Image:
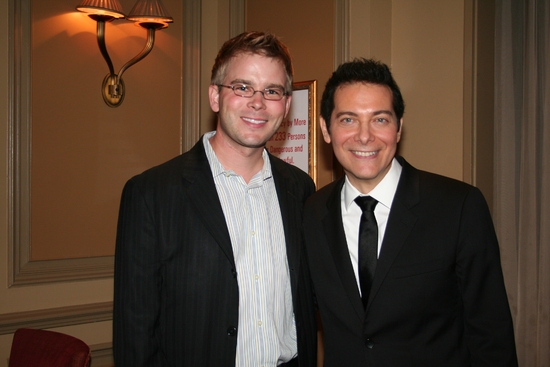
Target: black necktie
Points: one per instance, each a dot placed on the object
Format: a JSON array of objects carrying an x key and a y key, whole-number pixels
[{"x": 368, "y": 244}]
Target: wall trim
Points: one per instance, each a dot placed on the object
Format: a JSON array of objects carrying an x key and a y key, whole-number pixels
[
  {"x": 102, "y": 355},
  {"x": 47, "y": 271},
  {"x": 56, "y": 317},
  {"x": 23, "y": 271},
  {"x": 190, "y": 119},
  {"x": 341, "y": 31},
  {"x": 237, "y": 17},
  {"x": 478, "y": 111},
  {"x": 468, "y": 173}
]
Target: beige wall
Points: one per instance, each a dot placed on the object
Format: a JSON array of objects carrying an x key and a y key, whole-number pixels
[
  {"x": 83, "y": 151},
  {"x": 427, "y": 61},
  {"x": 75, "y": 153}
]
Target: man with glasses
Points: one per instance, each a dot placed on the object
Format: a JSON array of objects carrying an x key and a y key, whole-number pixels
[{"x": 209, "y": 266}]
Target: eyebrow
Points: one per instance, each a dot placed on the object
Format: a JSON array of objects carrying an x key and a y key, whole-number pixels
[
  {"x": 375, "y": 113},
  {"x": 343, "y": 113},
  {"x": 247, "y": 82},
  {"x": 384, "y": 112},
  {"x": 240, "y": 81}
]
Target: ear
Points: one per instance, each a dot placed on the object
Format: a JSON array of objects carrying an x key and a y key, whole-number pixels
[
  {"x": 400, "y": 130},
  {"x": 287, "y": 105},
  {"x": 324, "y": 130},
  {"x": 214, "y": 97}
]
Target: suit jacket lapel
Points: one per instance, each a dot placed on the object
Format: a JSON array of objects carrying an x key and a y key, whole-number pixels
[
  {"x": 202, "y": 194},
  {"x": 285, "y": 185},
  {"x": 336, "y": 240},
  {"x": 400, "y": 223}
]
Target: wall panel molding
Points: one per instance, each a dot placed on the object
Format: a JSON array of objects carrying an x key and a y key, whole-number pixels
[
  {"x": 191, "y": 73},
  {"x": 23, "y": 271},
  {"x": 102, "y": 355},
  {"x": 237, "y": 16},
  {"x": 56, "y": 317},
  {"x": 479, "y": 40},
  {"x": 341, "y": 31},
  {"x": 35, "y": 272}
]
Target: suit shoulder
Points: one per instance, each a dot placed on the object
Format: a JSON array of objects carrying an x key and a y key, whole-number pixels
[
  {"x": 291, "y": 172},
  {"x": 435, "y": 182},
  {"x": 170, "y": 173},
  {"x": 161, "y": 171},
  {"x": 319, "y": 198},
  {"x": 282, "y": 166},
  {"x": 429, "y": 180},
  {"x": 446, "y": 191}
]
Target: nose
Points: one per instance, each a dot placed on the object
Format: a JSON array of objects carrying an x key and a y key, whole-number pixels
[
  {"x": 257, "y": 101},
  {"x": 364, "y": 134}
]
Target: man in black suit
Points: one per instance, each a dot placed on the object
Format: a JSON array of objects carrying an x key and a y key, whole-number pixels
[
  {"x": 419, "y": 283},
  {"x": 210, "y": 267}
]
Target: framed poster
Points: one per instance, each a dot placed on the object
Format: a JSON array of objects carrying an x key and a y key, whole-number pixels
[{"x": 295, "y": 141}]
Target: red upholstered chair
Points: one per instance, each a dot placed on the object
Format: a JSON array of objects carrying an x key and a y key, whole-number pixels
[{"x": 42, "y": 348}]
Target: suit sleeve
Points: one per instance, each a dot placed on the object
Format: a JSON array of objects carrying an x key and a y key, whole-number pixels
[
  {"x": 137, "y": 283},
  {"x": 488, "y": 323}
]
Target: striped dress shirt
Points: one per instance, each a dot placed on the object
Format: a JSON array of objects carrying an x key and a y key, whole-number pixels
[{"x": 266, "y": 330}]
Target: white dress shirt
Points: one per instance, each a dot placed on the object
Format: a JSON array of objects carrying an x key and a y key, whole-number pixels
[{"x": 384, "y": 192}]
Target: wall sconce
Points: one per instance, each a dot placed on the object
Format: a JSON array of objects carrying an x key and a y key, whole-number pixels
[{"x": 149, "y": 14}]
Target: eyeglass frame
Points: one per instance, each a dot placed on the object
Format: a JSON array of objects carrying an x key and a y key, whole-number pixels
[{"x": 254, "y": 91}]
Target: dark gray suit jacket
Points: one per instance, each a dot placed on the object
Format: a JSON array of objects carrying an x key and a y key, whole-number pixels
[
  {"x": 438, "y": 297},
  {"x": 176, "y": 294}
]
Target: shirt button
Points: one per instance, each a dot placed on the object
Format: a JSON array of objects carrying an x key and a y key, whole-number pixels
[
  {"x": 256, "y": 277},
  {"x": 252, "y": 233},
  {"x": 369, "y": 343},
  {"x": 260, "y": 323}
]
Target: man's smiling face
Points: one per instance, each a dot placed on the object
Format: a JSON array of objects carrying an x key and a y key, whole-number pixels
[
  {"x": 249, "y": 122},
  {"x": 364, "y": 132}
]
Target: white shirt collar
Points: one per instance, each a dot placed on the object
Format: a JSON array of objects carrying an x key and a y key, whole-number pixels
[
  {"x": 384, "y": 192},
  {"x": 218, "y": 169}
]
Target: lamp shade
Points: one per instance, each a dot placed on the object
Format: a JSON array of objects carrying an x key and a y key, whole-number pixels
[
  {"x": 150, "y": 11},
  {"x": 107, "y": 8}
]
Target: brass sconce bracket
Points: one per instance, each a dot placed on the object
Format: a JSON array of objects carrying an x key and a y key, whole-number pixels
[
  {"x": 113, "y": 90},
  {"x": 149, "y": 14}
]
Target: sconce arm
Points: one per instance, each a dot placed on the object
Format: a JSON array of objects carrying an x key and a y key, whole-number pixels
[
  {"x": 101, "y": 44},
  {"x": 148, "y": 47},
  {"x": 149, "y": 14}
]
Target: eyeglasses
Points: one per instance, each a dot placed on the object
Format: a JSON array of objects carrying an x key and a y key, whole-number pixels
[{"x": 243, "y": 90}]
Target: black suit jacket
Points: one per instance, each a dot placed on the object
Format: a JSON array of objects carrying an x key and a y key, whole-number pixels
[
  {"x": 438, "y": 296},
  {"x": 176, "y": 293}
]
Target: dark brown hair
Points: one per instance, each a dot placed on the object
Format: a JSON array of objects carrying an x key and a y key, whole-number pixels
[{"x": 255, "y": 43}]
